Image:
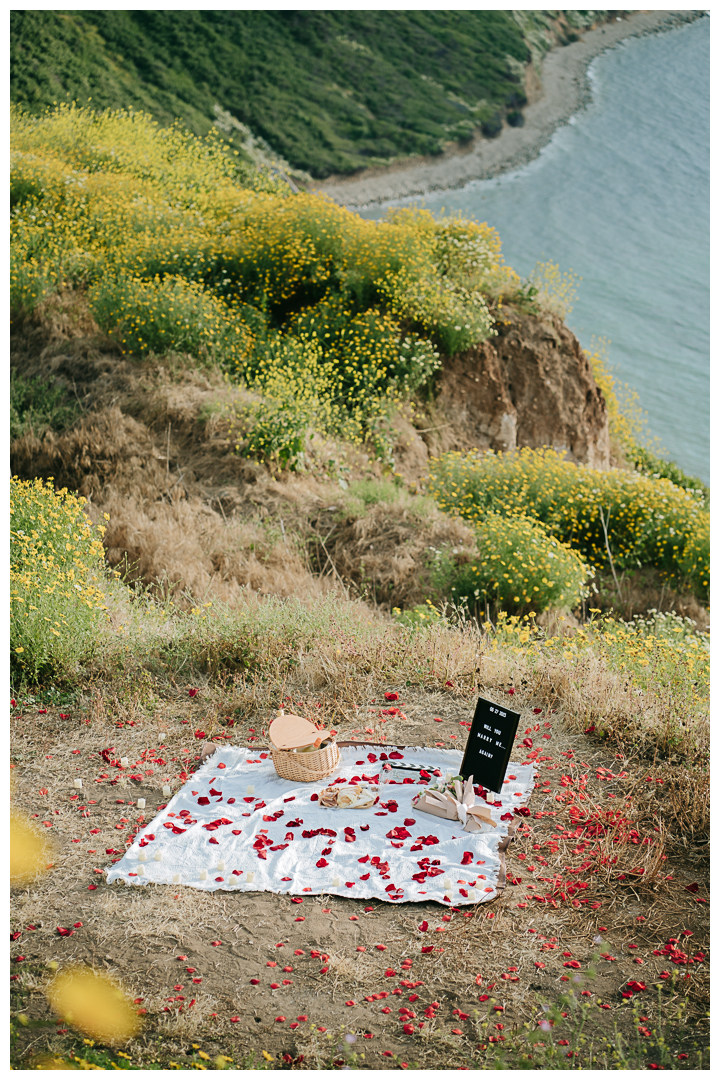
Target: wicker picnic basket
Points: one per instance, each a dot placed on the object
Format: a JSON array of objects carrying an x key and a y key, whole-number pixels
[{"x": 308, "y": 767}]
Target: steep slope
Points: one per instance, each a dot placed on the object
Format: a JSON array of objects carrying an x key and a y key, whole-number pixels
[{"x": 153, "y": 446}]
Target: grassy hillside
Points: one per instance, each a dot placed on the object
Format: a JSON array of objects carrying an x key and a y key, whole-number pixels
[
  {"x": 177, "y": 250},
  {"x": 330, "y": 91},
  {"x": 607, "y": 869}
]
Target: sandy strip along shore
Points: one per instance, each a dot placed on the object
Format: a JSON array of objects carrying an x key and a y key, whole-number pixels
[{"x": 565, "y": 89}]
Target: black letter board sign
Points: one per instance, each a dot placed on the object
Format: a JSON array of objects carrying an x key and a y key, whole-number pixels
[{"x": 489, "y": 744}]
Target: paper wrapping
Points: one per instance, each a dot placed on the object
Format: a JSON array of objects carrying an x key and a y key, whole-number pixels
[{"x": 455, "y": 802}]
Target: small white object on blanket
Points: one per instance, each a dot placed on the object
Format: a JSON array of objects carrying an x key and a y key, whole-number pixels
[{"x": 280, "y": 839}]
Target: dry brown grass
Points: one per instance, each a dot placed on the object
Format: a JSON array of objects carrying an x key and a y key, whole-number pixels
[
  {"x": 644, "y": 726},
  {"x": 386, "y": 552},
  {"x": 64, "y": 316},
  {"x": 186, "y": 547}
]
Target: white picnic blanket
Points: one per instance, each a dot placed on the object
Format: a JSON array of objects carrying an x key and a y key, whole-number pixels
[{"x": 214, "y": 835}]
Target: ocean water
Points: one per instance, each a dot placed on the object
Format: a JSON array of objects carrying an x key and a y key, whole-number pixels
[{"x": 621, "y": 196}]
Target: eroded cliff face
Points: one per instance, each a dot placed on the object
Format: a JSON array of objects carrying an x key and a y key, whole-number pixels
[
  {"x": 531, "y": 385},
  {"x": 528, "y": 385}
]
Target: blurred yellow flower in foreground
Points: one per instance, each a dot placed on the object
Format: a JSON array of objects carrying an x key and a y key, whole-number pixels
[
  {"x": 29, "y": 851},
  {"x": 93, "y": 1004}
]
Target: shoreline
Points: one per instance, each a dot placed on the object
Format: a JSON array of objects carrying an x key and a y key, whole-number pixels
[{"x": 565, "y": 91}]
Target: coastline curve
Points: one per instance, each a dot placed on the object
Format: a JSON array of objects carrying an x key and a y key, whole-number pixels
[{"x": 566, "y": 90}]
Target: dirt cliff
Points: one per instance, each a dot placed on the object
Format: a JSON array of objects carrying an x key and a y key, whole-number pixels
[{"x": 531, "y": 385}]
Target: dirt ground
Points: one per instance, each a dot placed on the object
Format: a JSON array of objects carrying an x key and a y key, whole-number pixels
[{"x": 238, "y": 973}]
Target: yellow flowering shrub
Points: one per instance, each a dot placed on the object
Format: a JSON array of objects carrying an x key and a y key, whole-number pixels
[
  {"x": 521, "y": 566},
  {"x": 169, "y": 313},
  {"x": 626, "y": 420},
  {"x": 181, "y": 250},
  {"x": 56, "y": 567},
  {"x": 297, "y": 392},
  {"x": 660, "y": 655},
  {"x": 553, "y": 290},
  {"x": 654, "y": 649},
  {"x": 647, "y": 521},
  {"x": 129, "y": 144},
  {"x": 471, "y": 252}
]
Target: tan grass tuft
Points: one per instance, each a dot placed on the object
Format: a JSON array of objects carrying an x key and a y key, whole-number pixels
[
  {"x": 191, "y": 1021},
  {"x": 388, "y": 551}
]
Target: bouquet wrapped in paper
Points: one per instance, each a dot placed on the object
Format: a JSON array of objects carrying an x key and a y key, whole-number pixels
[{"x": 455, "y": 800}]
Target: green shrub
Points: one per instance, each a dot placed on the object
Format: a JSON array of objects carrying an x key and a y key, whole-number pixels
[
  {"x": 649, "y": 522},
  {"x": 413, "y": 366},
  {"x": 56, "y": 569},
  {"x": 650, "y": 464},
  {"x": 37, "y": 405},
  {"x": 492, "y": 126}
]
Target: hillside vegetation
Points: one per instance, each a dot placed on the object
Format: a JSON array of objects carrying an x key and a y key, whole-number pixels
[
  {"x": 329, "y": 91},
  {"x": 178, "y": 253},
  {"x": 322, "y": 325}
]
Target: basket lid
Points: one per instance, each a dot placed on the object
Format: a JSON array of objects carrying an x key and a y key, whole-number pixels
[{"x": 288, "y": 732}]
